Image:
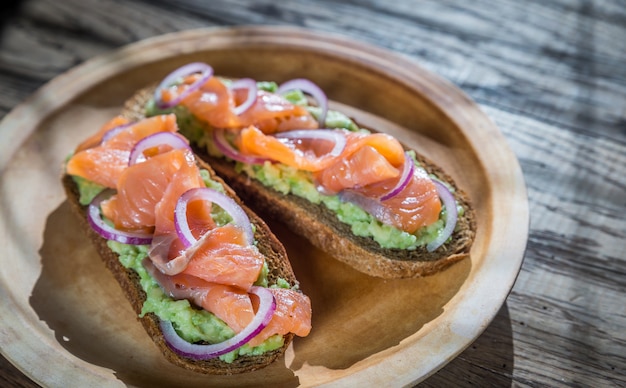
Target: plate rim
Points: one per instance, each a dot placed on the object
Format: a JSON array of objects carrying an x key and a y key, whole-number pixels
[{"x": 19, "y": 116}]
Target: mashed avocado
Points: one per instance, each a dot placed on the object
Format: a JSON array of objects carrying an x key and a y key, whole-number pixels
[
  {"x": 288, "y": 180},
  {"x": 87, "y": 189},
  {"x": 191, "y": 323}
]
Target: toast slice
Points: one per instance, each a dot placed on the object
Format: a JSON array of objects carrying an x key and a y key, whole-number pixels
[
  {"x": 322, "y": 228},
  {"x": 268, "y": 245}
]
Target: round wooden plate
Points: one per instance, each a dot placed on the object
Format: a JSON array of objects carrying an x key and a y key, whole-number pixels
[{"x": 64, "y": 318}]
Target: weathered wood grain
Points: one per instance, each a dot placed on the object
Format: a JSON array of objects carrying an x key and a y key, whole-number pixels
[{"x": 552, "y": 76}]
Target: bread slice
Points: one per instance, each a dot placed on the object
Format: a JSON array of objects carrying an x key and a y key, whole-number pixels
[
  {"x": 322, "y": 228},
  {"x": 268, "y": 245}
]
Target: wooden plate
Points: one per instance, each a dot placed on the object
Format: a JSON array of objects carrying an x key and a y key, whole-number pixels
[{"x": 63, "y": 317}]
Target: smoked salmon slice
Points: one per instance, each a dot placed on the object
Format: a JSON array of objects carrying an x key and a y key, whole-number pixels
[
  {"x": 251, "y": 141},
  {"x": 224, "y": 257},
  {"x": 292, "y": 315},
  {"x": 103, "y": 163},
  {"x": 416, "y": 206},
  {"x": 230, "y": 304},
  {"x": 271, "y": 113},
  {"x": 96, "y": 138},
  {"x": 141, "y": 187},
  {"x": 214, "y": 102},
  {"x": 198, "y": 212},
  {"x": 363, "y": 167}
]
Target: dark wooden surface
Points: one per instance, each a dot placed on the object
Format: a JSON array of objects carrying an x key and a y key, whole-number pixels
[{"x": 551, "y": 74}]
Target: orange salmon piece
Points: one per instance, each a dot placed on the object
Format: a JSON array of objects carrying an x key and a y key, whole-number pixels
[
  {"x": 230, "y": 304},
  {"x": 96, "y": 138},
  {"x": 214, "y": 102},
  {"x": 141, "y": 187},
  {"x": 198, "y": 212},
  {"x": 292, "y": 315},
  {"x": 104, "y": 163},
  {"x": 363, "y": 167},
  {"x": 384, "y": 144},
  {"x": 224, "y": 257},
  {"x": 416, "y": 206},
  {"x": 251, "y": 141},
  {"x": 211, "y": 103},
  {"x": 272, "y": 113}
]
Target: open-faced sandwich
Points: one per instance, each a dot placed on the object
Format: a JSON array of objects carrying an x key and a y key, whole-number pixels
[
  {"x": 356, "y": 193},
  {"x": 211, "y": 284}
]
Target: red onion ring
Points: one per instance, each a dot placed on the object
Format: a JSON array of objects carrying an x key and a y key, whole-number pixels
[
  {"x": 159, "y": 255},
  {"x": 188, "y": 69},
  {"x": 250, "y": 85},
  {"x": 371, "y": 205},
  {"x": 156, "y": 139},
  {"x": 114, "y": 131},
  {"x": 336, "y": 136},
  {"x": 108, "y": 232},
  {"x": 451, "y": 216},
  {"x": 229, "y": 151},
  {"x": 267, "y": 306},
  {"x": 238, "y": 215},
  {"x": 405, "y": 178},
  {"x": 171, "y": 288},
  {"x": 308, "y": 87}
]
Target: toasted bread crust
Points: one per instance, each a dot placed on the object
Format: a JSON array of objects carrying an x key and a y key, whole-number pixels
[
  {"x": 269, "y": 246},
  {"x": 322, "y": 228}
]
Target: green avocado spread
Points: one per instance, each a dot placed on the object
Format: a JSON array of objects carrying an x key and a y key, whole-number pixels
[
  {"x": 288, "y": 180},
  {"x": 193, "y": 324}
]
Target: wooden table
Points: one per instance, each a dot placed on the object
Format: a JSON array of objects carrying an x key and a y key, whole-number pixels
[{"x": 552, "y": 75}]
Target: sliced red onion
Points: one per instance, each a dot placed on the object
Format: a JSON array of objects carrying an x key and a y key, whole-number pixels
[
  {"x": 229, "y": 151},
  {"x": 308, "y": 87},
  {"x": 156, "y": 139},
  {"x": 264, "y": 314},
  {"x": 173, "y": 289},
  {"x": 114, "y": 131},
  {"x": 183, "y": 71},
  {"x": 451, "y": 216},
  {"x": 338, "y": 137},
  {"x": 250, "y": 85},
  {"x": 371, "y": 205},
  {"x": 159, "y": 255},
  {"x": 231, "y": 207},
  {"x": 405, "y": 178},
  {"x": 108, "y": 232}
]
